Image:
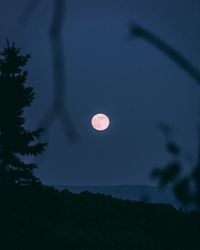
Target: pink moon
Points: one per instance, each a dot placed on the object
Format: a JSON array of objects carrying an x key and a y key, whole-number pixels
[{"x": 100, "y": 122}]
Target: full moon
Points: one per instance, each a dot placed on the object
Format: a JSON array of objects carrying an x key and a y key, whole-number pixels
[{"x": 100, "y": 122}]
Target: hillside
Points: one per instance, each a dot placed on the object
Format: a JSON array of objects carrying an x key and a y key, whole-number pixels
[{"x": 45, "y": 218}]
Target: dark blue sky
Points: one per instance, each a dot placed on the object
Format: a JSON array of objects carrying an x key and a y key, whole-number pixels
[{"x": 107, "y": 71}]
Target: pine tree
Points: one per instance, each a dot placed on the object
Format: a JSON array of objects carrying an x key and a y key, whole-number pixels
[{"x": 15, "y": 140}]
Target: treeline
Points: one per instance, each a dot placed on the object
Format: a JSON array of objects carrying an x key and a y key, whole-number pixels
[{"x": 45, "y": 218}]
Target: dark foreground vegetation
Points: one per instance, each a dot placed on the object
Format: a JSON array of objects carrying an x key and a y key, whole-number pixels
[{"x": 44, "y": 218}]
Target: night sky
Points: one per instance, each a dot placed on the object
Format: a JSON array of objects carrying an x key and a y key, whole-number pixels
[{"x": 110, "y": 72}]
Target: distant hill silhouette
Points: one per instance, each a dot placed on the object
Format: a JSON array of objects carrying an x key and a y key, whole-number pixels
[{"x": 145, "y": 193}]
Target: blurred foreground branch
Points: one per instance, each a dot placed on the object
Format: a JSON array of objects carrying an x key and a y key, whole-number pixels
[
  {"x": 57, "y": 110},
  {"x": 29, "y": 9},
  {"x": 186, "y": 188},
  {"x": 169, "y": 51}
]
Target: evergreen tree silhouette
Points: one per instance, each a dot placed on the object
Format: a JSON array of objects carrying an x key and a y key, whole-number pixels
[{"x": 15, "y": 140}]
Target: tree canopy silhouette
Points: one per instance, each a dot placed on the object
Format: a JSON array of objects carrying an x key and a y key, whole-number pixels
[{"x": 15, "y": 140}]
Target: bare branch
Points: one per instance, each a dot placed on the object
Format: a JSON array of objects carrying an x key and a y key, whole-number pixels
[
  {"x": 29, "y": 9},
  {"x": 58, "y": 109},
  {"x": 172, "y": 53}
]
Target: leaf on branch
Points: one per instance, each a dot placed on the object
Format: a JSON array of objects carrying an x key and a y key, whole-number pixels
[
  {"x": 167, "y": 175},
  {"x": 173, "y": 148}
]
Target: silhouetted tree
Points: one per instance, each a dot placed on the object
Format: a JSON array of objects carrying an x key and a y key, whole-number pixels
[{"x": 15, "y": 140}]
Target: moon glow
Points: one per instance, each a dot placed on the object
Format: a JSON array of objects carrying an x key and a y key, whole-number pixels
[{"x": 100, "y": 122}]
